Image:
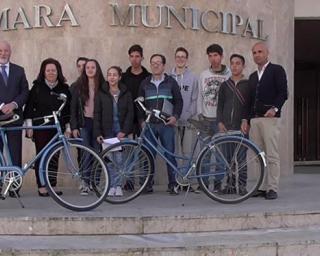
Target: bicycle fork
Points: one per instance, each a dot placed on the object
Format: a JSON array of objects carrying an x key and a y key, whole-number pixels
[{"x": 8, "y": 182}]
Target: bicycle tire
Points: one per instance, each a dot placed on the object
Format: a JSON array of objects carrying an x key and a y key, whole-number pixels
[
  {"x": 130, "y": 166},
  {"x": 71, "y": 176},
  {"x": 230, "y": 169}
]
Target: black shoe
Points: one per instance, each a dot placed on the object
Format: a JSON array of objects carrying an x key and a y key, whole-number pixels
[
  {"x": 243, "y": 191},
  {"x": 45, "y": 194},
  {"x": 259, "y": 193},
  {"x": 271, "y": 195},
  {"x": 59, "y": 193},
  {"x": 228, "y": 190},
  {"x": 174, "y": 190},
  {"x": 129, "y": 186},
  {"x": 185, "y": 188},
  {"x": 13, "y": 195},
  {"x": 147, "y": 190}
]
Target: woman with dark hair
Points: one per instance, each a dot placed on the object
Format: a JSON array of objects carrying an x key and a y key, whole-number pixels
[
  {"x": 113, "y": 115},
  {"x": 82, "y": 107},
  {"x": 41, "y": 103}
]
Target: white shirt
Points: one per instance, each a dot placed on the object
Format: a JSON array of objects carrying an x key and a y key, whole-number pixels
[
  {"x": 260, "y": 73},
  {"x": 157, "y": 82}
]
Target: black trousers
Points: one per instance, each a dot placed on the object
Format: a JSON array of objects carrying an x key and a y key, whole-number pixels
[{"x": 41, "y": 139}]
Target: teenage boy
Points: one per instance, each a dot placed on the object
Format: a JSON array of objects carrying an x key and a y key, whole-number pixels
[
  {"x": 233, "y": 114},
  {"x": 133, "y": 77},
  {"x": 188, "y": 84},
  {"x": 209, "y": 85}
]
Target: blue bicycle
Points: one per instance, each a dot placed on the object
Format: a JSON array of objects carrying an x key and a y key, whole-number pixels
[
  {"x": 65, "y": 165},
  {"x": 229, "y": 167}
]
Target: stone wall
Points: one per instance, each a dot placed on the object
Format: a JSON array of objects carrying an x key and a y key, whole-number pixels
[{"x": 94, "y": 37}]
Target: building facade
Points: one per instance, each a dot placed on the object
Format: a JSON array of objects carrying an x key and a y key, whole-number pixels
[{"x": 104, "y": 30}]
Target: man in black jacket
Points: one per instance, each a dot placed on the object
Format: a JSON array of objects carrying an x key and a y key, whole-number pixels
[{"x": 269, "y": 94}]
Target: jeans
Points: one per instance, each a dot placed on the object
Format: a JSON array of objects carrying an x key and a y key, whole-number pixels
[
  {"x": 86, "y": 133},
  {"x": 115, "y": 179},
  {"x": 211, "y": 128},
  {"x": 166, "y": 134},
  {"x": 236, "y": 157}
]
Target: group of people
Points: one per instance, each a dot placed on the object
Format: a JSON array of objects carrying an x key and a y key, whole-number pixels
[{"x": 101, "y": 107}]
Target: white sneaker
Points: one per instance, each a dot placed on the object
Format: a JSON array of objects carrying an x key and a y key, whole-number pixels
[
  {"x": 118, "y": 191},
  {"x": 84, "y": 191},
  {"x": 112, "y": 192}
]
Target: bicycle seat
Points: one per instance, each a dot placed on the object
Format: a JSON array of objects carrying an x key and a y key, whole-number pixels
[
  {"x": 200, "y": 125},
  {"x": 8, "y": 119}
]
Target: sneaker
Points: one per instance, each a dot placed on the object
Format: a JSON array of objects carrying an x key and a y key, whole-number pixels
[
  {"x": 147, "y": 190},
  {"x": 174, "y": 190},
  {"x": 271, "y": 195},
  {"x": 84, "y": 191},
  {"x": 112, "y": 192},
  {"x": 118, "y": 191}
]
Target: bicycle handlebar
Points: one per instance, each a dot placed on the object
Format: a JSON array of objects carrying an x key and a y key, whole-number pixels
[
  {"x": 154, "y": 112},
  {"x": 60, "y": 96}
]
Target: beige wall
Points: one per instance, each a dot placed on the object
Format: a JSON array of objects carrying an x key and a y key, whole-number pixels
[
  {"x": 307, "y": 9},
  {"x": 95, "y": 38}
]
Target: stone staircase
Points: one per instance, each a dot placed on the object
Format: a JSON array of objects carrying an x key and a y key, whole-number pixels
[
  {"x": 258, "y": 234},
  {"x": 157, "y": 224}
]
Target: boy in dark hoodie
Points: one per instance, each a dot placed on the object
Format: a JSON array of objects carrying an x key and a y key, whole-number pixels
[{"x": 133, "y": 77}]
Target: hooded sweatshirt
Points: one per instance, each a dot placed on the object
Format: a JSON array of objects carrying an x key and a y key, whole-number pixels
[
  {"x": 188, "y": 84},
  {"x": 133, "y": 83},
  {"x": 209, "y": 84}
]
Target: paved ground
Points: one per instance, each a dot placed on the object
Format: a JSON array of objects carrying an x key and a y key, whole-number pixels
[{"x": 300, "y": 192}]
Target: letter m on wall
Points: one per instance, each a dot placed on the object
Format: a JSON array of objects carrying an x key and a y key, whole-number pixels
[{"x": 123, "y": 18}]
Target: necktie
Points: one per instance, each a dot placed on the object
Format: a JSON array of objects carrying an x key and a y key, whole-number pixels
[{"x": 4, "y": 74}]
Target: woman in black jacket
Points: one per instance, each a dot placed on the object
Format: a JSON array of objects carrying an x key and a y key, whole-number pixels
[
  {"x": 41, "y": 103},
  {"x": 82, "y": 109},
  {"x": 113, "y": 114}
]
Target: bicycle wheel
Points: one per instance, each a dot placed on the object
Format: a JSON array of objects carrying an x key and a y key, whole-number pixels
[
  {"x": 130, "y": 166},
  {"x": 230, "y": 170},
  {"x": 67, "y": 170}
]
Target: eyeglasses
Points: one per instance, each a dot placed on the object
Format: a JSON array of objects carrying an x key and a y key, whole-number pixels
[
  {"x": 181, "y": 57},
  {"x": 158, "y": 63}
]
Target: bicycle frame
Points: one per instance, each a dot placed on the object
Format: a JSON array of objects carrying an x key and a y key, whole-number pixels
[
  {"x": 159, "y": 149},
  {"x": 59, "y": 137}
]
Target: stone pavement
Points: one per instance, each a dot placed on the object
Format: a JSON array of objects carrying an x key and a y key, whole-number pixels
[{"x": 158, "y": 224}]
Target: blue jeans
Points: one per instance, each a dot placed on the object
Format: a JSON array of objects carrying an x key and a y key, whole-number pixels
[
  {"x": 166, "y": 134},
  {"x": 211, "y": 128},
  {"x": 86, "y": 133},
  {"x": 115, "y": 179},
  {"x": 241, "y": 158}
]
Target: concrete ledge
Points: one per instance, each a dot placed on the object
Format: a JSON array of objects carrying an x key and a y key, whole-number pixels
[
  {"x": 269, "y": 242},
  {"x": 155, "y": 224}
]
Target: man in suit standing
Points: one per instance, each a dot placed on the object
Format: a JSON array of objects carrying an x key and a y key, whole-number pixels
[
  {"x": 13, "y": 94},
  {"x": 269, "y": 92}
]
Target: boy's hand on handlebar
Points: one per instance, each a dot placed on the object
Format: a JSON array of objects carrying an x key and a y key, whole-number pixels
[
  {"x": 29, "y": 133},
  {"x": 100, "y": 139},
  {"x": 171, "y": 121},
  {"x": 75, "y": 133},
  {"x": 121, "y": 135}
]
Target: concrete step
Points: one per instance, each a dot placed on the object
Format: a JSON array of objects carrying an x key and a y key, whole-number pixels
[
  {"x": 265, "y": 242},
  {"x": 98, "y": 225}
]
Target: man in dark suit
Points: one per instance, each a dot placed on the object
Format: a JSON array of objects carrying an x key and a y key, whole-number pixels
[
  {"x": 269, "y": 92},
  {"x": 13, "y": 94}
]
